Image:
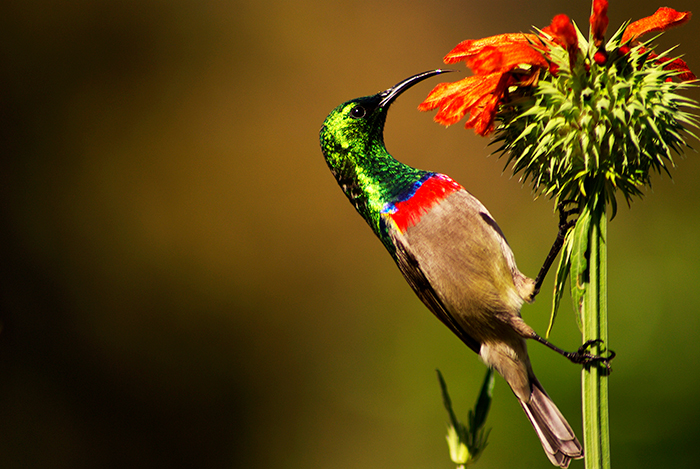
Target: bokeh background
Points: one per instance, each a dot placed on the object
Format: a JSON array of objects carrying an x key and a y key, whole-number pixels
[{"x": 184, "y": 285}]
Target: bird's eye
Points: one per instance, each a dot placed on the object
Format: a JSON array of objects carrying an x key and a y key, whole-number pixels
[{"x": 358, "y": 112}]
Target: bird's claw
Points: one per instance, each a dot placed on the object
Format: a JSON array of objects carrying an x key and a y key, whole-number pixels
[
  {"x": 583, "y": 357},
  {"x": 564, "y": 223},
  {"x": 564, "y": 226}
]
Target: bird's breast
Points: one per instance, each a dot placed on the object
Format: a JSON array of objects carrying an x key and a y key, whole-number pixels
[{"x": 408, "y": 212}]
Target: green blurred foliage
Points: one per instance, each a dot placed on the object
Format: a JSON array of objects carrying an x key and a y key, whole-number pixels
[{"x": 182, "y": 283}]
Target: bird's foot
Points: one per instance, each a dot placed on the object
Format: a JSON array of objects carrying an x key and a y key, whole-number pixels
[
  {"x": 583, "y": 357},
  {"x": 564, "y": 226},
  {"x": 564, "y": 223}
]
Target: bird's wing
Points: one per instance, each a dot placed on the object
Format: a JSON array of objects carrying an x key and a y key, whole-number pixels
[{"x": 416, "y": 278}]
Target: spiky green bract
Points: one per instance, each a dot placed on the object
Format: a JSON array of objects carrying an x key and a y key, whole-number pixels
[
  {"x": 355, "y": 152},
  {"x": 605, "y": 125}
]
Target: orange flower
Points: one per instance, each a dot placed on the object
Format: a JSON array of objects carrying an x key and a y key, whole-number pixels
[
  {"x": 493, "y": 59},
  {"x": 663, "y": 19},
  {"x": 679, "y": 65},
  {"x": 478, "y": 95},
  {"x": 564, "y": 34},
  {"x": 599, "y": 21}
]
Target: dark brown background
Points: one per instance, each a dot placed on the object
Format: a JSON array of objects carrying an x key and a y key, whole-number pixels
[{"x": 184, "y": 285}]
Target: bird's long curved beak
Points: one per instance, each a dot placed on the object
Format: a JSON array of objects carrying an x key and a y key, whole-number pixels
[{"x": 392, "y": 93}]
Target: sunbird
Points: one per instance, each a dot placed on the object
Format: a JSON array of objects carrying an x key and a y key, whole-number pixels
[{"x": 452, "y": 253}]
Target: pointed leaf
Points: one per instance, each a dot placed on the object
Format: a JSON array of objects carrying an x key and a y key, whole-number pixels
[
  {"x": 579, "y": 260},
  {"x": 560, "y": 278}
]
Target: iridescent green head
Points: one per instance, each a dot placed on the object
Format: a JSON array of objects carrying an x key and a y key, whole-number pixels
[
  {"x": 352, "y": 141},
  {"x": 355, "y": 129},
  {"x": 351, "y": 132}
]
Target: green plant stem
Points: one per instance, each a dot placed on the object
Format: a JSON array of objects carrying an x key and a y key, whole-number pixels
[{"x": 594, "y": 316}]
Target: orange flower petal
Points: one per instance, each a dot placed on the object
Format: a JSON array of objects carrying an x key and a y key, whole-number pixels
[
  {"x": 459, "y": 104},
  {"x": 678, "y": 65},
  {"x": 681, "y": 66},
  {"x": 453, "y": 110},
  {"x": 483, "y": 115},
  {"x": 471, "y": 47},
  {"x": 563, "y": 31},
  {"x": 505, "y": 57},
  {"x": 599, "y": 20},
  {"x": 663, "y": 19},
  {"x": 456, "y": 99},
  {"x": 442, "y": 92}
]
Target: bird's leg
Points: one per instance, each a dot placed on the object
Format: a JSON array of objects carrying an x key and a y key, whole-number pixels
[
  {"x": 581, "y": 356},
  {"x": 564, "y": 226}
]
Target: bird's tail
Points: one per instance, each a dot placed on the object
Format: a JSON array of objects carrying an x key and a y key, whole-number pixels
[{"x": 557, "y": 437}]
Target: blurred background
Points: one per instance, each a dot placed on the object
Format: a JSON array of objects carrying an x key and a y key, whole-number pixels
[{"x": 183, "y": 284}]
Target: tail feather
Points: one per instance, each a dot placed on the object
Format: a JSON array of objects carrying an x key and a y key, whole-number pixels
[{"x": 557, "y": 437}]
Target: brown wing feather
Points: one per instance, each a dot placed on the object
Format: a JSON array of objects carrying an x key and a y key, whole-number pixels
[{"x": 416, "y": 278}]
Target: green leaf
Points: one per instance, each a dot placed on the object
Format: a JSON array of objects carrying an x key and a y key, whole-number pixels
[
  {"x": 467, "y": 442},
  {"x": 560, "y": 278},
  {"x": 483, "y": 402},
  {"x": 579, "y": 260}
]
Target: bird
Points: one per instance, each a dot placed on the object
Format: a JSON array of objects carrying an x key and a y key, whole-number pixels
[{"x": 451, "y": 252}]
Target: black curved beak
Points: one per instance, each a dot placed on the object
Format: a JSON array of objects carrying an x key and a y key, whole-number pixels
[{"x": 392, "y": 93}]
